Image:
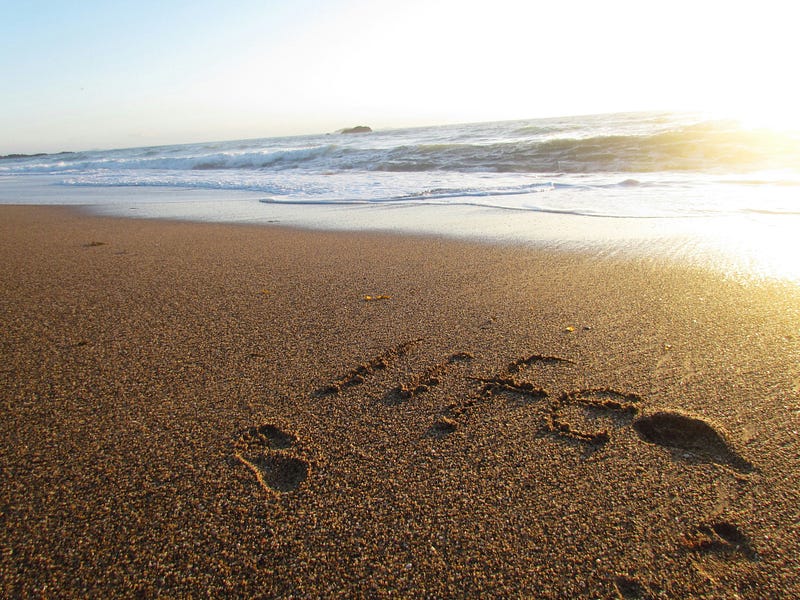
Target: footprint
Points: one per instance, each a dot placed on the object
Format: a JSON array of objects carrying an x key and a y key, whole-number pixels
[
  {"x": 628, "y": 588},
  {"x": 696, "y": 439},
  {"x": 268, "y": 435},
  {"x": 278, "y": 472},
  {"x": 720, "y": 537},
  {"x": 576, "y": 414},
  {"x": 443, "y": 426},
  {"x": 274, "y": 457}
]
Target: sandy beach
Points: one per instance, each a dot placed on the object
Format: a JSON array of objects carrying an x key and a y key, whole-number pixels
[{"x": 222, "y": 410}]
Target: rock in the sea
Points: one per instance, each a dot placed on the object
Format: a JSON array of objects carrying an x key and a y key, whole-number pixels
[
  {"x": 357, "y": 129},
  {"x": 11, "y": 156}
]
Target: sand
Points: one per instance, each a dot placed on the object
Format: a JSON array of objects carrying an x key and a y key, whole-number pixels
[{"x": 218, "y": 410}]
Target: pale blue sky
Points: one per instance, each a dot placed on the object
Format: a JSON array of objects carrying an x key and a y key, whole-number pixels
[{"x": 91, "y": 74}]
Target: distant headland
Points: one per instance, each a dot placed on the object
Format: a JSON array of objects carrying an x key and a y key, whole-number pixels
[
  {"x": 12, "y": 156},
  {"x": 356, "y": 129}
]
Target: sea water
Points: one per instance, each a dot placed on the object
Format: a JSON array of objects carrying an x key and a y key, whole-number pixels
[{"x": 681, "y": 185}]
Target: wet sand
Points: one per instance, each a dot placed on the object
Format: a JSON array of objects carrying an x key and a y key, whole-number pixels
[{"x": 194, "y": 409}]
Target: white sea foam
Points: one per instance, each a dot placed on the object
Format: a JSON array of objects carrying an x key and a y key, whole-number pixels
[{"x": 578, "y": 178}]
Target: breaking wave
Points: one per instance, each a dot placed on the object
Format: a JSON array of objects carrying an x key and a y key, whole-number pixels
[
  {"x": 630, "y": 165},
  {"x": 560, "y": 146}
]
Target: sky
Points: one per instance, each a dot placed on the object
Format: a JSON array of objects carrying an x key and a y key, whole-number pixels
[{"x": 95, "y": 74}]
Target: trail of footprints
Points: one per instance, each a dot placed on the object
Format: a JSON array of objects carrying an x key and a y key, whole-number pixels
[{"x": 279, "y": 463}]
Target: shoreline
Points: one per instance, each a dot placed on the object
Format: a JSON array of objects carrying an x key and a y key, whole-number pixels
[
  {"x": 198, "y": 408},
  {"x": 747, "y": 246}
]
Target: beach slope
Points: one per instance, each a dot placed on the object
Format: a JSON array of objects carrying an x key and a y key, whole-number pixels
[{"x": 194, "y": 409}]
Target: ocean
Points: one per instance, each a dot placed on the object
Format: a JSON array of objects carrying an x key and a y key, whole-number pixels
[{"x": 685, "y": 184}]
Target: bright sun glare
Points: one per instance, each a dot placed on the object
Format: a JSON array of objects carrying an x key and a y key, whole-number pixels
[
  {"x": 764, "y": 246},
  {"x": 779, "y": 117}
]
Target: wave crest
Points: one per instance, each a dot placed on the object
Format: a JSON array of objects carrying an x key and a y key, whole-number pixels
[{"x": 557, "y": 146}]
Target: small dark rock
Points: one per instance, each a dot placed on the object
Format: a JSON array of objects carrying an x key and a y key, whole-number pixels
[{"x": 357, "y": 129}]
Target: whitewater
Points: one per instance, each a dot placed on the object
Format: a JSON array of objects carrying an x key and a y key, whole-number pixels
[{"x": 684, "y": 184}]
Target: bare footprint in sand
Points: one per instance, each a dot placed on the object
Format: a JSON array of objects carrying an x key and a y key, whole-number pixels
[
  {"x": 629, "y": 589},
  {"x": 722, "y": 538},
  {"x": 278, "y": 472},
  {"x": 443, "y": 426},
  {"x": 268, "y": 436},
  {"x": 690, "y": 438},
  {"x": 274, "y": 457}
]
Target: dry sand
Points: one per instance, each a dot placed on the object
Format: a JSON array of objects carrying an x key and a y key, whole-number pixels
[{"x": 206, "y": 410}]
